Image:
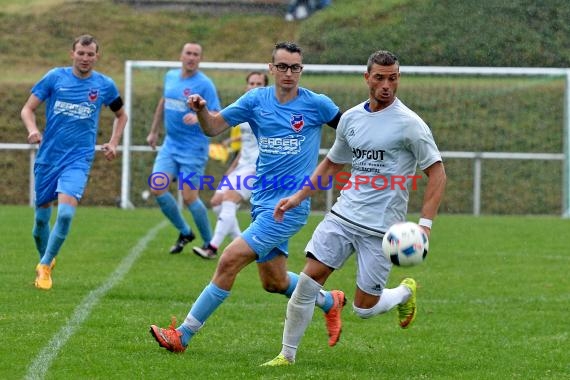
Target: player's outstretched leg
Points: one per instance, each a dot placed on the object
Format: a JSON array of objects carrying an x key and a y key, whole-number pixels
[
  {"x": 168, "y": 338},
  {"x": 333, "y": 317},
  {"x": 407, "y": 311}
]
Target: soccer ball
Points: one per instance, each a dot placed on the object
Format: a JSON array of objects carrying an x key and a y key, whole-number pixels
[{"x": 405, "y": 244}]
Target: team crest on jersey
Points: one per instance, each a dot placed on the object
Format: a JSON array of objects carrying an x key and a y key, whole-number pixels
[
  {"x": 187, "y": 92},
  {"x": 93, "y": 94},
  {"x": 297, "y": 122}
]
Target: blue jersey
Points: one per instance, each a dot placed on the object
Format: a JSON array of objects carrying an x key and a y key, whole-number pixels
[
  {"x": 289, "y": 138},
  {"x": 180, "y": 137},
  {"x": 72, "y": 105}
]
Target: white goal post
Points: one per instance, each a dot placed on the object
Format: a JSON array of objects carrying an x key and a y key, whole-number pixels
[{"x": 131, "y": 65}]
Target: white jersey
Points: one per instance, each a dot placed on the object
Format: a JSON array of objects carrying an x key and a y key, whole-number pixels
[
  {"x": 384, "y": 148},
  {"x": 249, "y": 149}
]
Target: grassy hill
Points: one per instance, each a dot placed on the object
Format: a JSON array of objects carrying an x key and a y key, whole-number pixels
[
  {"x": 422, "y": 32},
  {"x": 36, "y": 35}
]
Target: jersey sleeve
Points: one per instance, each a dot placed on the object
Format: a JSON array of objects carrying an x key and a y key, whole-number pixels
[
  {"x": 44, "y": 87},
  {"x": 112, "y": 92},
  {"x": 237, "y": 112},
  {"x": 422, "y": 144},
  {"x": 328, "y": 108},
  {"x": 340, "y": 152}
]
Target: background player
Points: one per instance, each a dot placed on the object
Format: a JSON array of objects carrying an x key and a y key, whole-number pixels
[
  {"x": 74, "y": 97},
  {"x": 185, "y": 147}
]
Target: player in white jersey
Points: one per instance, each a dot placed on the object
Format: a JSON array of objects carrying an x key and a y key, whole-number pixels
[
  {"x": 384, "y": 141},
  {"x": 227, "y": 198}
]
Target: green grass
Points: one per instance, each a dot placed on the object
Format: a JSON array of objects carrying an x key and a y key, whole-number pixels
[{"x": 493, "y": 303}]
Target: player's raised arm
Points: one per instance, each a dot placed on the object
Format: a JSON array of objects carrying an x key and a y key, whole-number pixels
[{"x": 211, "y": 123}]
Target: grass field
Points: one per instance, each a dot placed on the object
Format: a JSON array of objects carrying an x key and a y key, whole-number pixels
[{"x": 493, "y": 304}]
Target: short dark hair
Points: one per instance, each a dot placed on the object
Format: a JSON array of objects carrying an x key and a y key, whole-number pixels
[
  {"x": 291, "y": 47},
  {"x": 265, "y": 77},
  {"x": 85, "y": 40},
  {"x": 382, "y": 58}
]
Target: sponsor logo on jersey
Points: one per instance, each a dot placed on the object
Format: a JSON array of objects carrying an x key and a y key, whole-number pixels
[
  {"x": 281, "y": 145},
  {"x": 175, "y": 105},
  {"x": 377, "y": 154},
  {"x": 297, "y": 122},
  {"x": 80, "y": 111},
  {"x": 187, "y": 92}
]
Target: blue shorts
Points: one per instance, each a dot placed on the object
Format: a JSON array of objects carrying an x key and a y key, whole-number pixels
[
  {"x": 269, "y": 238},
  {"x": 51, "y": 180},
  {"x": 185, "y": 164}
]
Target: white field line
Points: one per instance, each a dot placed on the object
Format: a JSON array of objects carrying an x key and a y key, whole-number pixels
[{"x": 39, "y": 367}]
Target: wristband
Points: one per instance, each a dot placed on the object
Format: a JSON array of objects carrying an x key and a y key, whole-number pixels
[{"x": 425, "y": 222}]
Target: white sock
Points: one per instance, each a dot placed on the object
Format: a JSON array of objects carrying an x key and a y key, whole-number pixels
[
  {"x": 300, "y": 309},
  {"x": 389, "y": 299},
  {"x": 217, "y": 209},
  {"x": 236, "y": 231},
  {"x": 225, "y": 224}
]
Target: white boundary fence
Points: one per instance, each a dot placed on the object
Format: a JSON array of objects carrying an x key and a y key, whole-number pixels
[
  {"x": 431, "y": 70},
  {"x": 477, "y": 157}
]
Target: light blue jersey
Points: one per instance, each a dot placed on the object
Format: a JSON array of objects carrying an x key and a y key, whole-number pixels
[
  {"x": 182, "y": 139},
  {"x": 289, "y": 138},
  {"x": 72, "y": 106}
]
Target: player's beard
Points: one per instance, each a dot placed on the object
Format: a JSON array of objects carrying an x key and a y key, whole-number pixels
[{"x": 384, "y": 98}]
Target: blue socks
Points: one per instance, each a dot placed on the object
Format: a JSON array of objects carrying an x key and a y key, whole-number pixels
[
  {"x": 170, "y": 209},
  {"x": 200, "y": 215},
  {"x": 212, "y": 297},
  {"x": 199, "y": 212},
  {"x": 65, "y": 213},
  {"x": 40, "y": 232},
  {"x": 293, "y": 279},
  {"x": 206, "y": 303}
]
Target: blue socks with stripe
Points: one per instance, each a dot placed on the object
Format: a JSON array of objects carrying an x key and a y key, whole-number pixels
[
  {"x": 41, "y": 229},
  {"x": 65, "y": 213},
  {"x": 206, "y": 303}
]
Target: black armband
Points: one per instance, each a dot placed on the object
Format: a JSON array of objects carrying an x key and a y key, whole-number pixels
[
  {"x": 334, "y": 122},
  {"x": 116, "y": 104}
]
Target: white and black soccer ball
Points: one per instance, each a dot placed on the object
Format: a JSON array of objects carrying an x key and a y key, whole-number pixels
[{"x": 405, "y": 244}]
